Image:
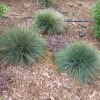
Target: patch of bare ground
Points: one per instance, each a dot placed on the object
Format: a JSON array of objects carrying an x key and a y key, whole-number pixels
[{"x": 42, "y": 81}]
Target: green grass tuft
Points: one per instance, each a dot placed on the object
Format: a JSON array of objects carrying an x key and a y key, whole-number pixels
[
  {"x": 48, "y": 3},
  {"x": 79, "y": 60},
  {"x": 49, "y": 21},
  {"x": 21, "y": 46}
]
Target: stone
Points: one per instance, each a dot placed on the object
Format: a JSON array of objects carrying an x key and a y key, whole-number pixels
[
  {"x": 81, "y": 34},
  {"x": 26, "y": 5}
]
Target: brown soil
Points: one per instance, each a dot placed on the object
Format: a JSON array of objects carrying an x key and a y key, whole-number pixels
[{"x": 42, "y": 81}]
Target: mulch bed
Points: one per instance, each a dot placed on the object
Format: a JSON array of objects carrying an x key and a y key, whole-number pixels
[{"x": 42, "y": 81}]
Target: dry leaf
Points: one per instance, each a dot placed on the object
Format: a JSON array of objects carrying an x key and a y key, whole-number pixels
[{"x": 58, "y": 81}]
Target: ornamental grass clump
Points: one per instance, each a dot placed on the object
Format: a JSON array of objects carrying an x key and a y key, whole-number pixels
[
  {"x": 79, "y": 60},
  {"x": 21, "y": 46},
  {"x": 49, "y": 21}
]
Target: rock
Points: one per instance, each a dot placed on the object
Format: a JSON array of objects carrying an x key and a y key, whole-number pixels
[
  {"x": 81, "y": 34},
  {"x": 26, "y": 5}
]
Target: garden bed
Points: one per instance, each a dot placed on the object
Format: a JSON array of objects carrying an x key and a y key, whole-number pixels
[{"x": 42, "y": 81}]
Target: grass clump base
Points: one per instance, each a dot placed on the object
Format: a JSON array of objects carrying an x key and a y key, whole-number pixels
[
  {"x": 49, "y": 21},
  {"x": 79, "y": 60},
  {"x": 21, "y": 46}
]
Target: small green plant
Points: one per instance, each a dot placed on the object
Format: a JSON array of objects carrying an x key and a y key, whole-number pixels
[
  {"x": 96, "y": 12},
  {"x": 96, "y": 29},
  {"x": 79, "y": 60},
  {"x": 96, "y": 18},
  {"x": 70, "y": 4},
  {"x": 76, "y": 6},
  {"x": 48, "y": 3},
  {"x": 49, "y": 21},
  {"x": 21, "y": 46},
  {"x": 73, "y": 14},
  {"x": 3, "y": 9}
]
